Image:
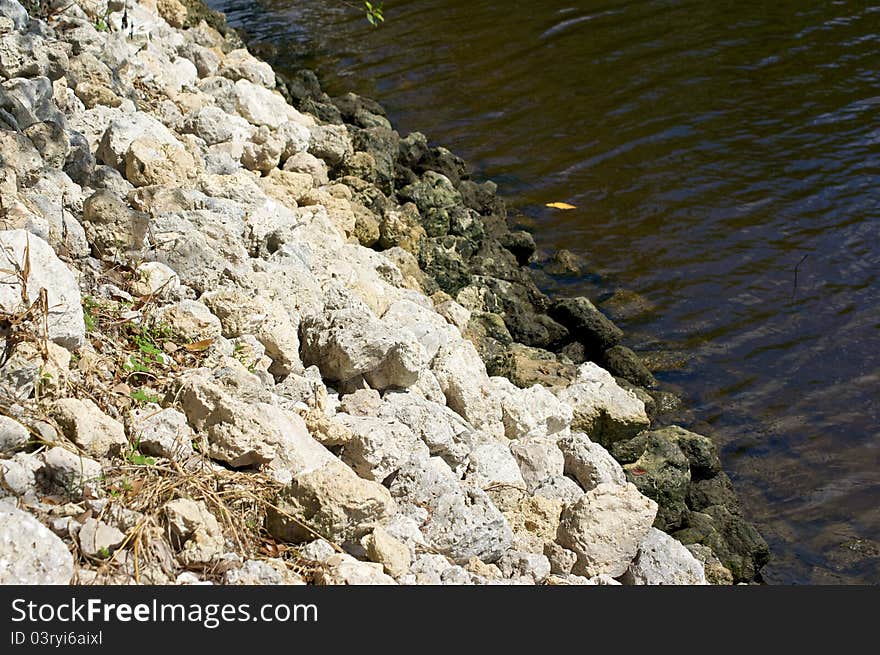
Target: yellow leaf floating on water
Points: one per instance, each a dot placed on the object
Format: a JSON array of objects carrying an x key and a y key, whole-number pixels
[{"x": 560, "y": 205}]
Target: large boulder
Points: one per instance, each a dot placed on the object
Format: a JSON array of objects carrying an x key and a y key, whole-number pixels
[
  {"x": 531, "y": 412},
  {"x": 459, "y": 521},
  {"x": 83, "y": 422},
  {"x": 660, "y": 470},
  {"x": 378, "y": 447},
  {"x": 662, "y": 560},
  {"x": 605, "y": 528},
  {"x": 465, "y": 383},
  {"x": 586, "y": 323},
  {"x": 602, "y": 409},
  {"x": 347, "y": 341},
  {"x": 588, "y": 462},
  {"x": 244, "y": 431},
  {"x": 331, "y": 502}
]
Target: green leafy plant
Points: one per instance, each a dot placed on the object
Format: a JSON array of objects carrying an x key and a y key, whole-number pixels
[
  {"x": 142, "y": 397},
  {"x": 136, "y": 457},
  {"x": 89, "y": 306},
  {"x": 375, "y": 13}
]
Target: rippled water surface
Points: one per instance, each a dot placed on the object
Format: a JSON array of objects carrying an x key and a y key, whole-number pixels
[{"x": 711, "y": 148}]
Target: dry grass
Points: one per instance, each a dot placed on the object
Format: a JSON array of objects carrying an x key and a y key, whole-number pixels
[
  {"x": 238, "y": 500},
  {"x": 134, "y": 360}
]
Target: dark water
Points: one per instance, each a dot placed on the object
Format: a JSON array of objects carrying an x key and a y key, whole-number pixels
[{"x": 709, "y": 146}]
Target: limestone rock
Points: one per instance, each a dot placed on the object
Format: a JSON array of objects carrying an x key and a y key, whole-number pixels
[
  {"x": 464, "y": 523},
  {"x": 334, "y": 502},
  {"x": 391, "y": 553},
  {"x": 444, "y": 432},
  {"x": 539, "y": 459},
  {"x": 342, "y": 569},
  {"x": 589, "y": 463},
  {"x": 462, "y": 376},
  {"x": 149, "y": 161},
  {"x": 69, "y": 474},
  {"x": 492, "y": 464},
  {"x": 196, "y": 530},
  {"x": 248, "y": 433},
  {"x": 349, "y": 341},
  {"x": 123, "y": 131},
  {"x": 530, "y": 412},
  {"x": 190, "y": 320},
  {"x": 115, "y": 231},
  {"x": 30, "y": 554},
  {"x": 13, "y": 435},
  {"x": 162, "y": 432},
  {"x": 378, "y": 447},
  {"x": 602, "y": 409},
  {"x": 662, "y": 560},
  {"x": 605, "y": 528},
  {"x": 65, "y": 324},
  {"x": 98, "y": 539},
  {"x": 241, "y": 65},
  {"x": 88, "y": 427}
]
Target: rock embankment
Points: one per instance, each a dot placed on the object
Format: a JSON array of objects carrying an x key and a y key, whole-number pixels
[{"x": 252, "y": 335}]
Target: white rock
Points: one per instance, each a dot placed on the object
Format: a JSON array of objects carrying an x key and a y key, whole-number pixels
[
  {"x": 334, "y": 502},
  {"x": 463, "y": 523},
  {"x": 190, "y": 320},
  {"x": 261, "y": 572},
  {"x": 342, "y": 569},
  {"x": 429, "y": 328},
  {"x": 240, "y": 64},
  {"x": 88, "y": 427},
  {"x": 196, "y": 529},
  {"x": 589, "y": 463},
  {"x": 267, "y": 318},
  {"x": 97, "y": 539},
  {"x": 391, "y": 553},
  {"x": 65, "y": 323},
  {"x": 318, "y": 550},
  {"x": 295, "y": 139},
  {"x": 662, "y": 560},
  {"x": 244, "y": 433},
  {"x": 157, "y": 279},
  {"x": 430, "y": 569},
  {"x": 260, "y": 106},
  {"x": 560, "y": 488},
  {"x": 539, "y": 459},
  {"x": 124, "y": 130},
  {"x": 516, "y": 564},
  {"x": 379, "y": 447},
  {"x": 462, "y": 376},
  {"x": 68, "y": 473},
  {"x": 30, "y": 554},
  {"x": 602, "y": 409},
  {"x": 492, "y": 463},
  {"x": 215, "y": 126},
  {"x": 347, "y": 341},
  {"x": 605, "y": 528},
  {"x": 444, "y": 432},
  {"x": 17, "y": 476},
  {"x": 530, "y": 412},
  {"x": 162, "y": 432},
  {"x": 13, "y": 435}
]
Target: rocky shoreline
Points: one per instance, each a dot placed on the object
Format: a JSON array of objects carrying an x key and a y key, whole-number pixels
[{"x": 252, "y": 335}]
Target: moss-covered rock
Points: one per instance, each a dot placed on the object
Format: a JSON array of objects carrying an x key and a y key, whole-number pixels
[{"x": 662, "y": 473}]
